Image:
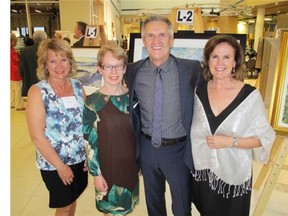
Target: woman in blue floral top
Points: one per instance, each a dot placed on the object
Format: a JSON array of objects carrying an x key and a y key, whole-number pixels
[
  {"x": 54, "y": 117},
  {"x": 111, "y": 141}
]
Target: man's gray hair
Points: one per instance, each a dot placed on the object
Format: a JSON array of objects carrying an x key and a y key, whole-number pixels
[
  {"x": 154, "y": 18},
  {"x": 39, "y": 36}
]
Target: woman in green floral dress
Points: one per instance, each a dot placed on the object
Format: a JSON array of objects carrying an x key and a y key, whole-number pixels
[{"x": 111, "y": 142}]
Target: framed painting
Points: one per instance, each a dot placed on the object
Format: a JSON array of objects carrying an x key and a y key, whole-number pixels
[
  {"x": 187, "y": 44},
  {"x": 87, "y": 74},
  {"x": 278, "y": 112}
]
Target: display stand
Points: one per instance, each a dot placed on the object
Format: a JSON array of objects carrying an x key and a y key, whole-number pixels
[
  {"x": 198, "y": 21},
  {"x": 94, "y": 36},
  {"x": 275, "y": 165}
]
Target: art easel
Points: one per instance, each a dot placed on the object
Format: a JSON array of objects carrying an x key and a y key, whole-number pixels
[
  {"x": 275, "y": 164},
  {"x": 94, "y": 36},
  {"x": 198, "y": 21}
]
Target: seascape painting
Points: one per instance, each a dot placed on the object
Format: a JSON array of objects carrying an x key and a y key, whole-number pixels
[
  {"x": 181, "y": 52},
  {"x": 182, "y": 48},
  {"x": 186, "y": 45},
  {"x": 86, "y": 60}
]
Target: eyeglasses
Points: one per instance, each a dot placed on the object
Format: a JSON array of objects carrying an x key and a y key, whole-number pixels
[{"x": 109, "y": 68}]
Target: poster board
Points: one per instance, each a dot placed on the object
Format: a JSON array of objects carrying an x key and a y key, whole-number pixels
[
  {"x": 86, "y": 73},
  {"x": 278, "y": 112}
]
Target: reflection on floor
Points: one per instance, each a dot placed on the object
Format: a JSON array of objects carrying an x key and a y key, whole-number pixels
[{"x": 29, "y": 196}]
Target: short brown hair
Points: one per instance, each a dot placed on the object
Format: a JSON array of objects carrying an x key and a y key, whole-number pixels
[
  {"x": 82, "y": 26},
  {"x": 239, "y": 55}
]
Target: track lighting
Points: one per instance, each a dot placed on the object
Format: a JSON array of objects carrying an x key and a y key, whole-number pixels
[{"x": 214, "y": 13}]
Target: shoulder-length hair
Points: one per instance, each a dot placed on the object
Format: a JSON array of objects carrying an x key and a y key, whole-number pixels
[
  {"x": 57, "y": 46},
  {"x": 240, "y": 67}
]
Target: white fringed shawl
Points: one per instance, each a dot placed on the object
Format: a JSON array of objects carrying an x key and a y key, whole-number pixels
[{"x": 231, "y": 166}]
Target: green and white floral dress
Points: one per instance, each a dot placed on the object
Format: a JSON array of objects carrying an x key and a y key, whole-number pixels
[{"x": 111, "y": 151}]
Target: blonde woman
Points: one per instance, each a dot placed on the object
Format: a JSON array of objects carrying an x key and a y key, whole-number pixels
[{"x": 54, "y": 117}]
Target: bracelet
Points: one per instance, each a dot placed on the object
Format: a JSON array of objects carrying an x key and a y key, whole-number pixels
[{"x": 235, "y": 142}]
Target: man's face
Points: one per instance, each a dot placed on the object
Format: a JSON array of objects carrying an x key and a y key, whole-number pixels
[
  {"x": 77, "y": 32},
  {"x": 157, "y": 41}
]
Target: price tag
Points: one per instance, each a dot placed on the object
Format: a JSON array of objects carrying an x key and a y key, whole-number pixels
[
  {"x": 91, "y": 32},
  {"x": 185, "y": 17}
]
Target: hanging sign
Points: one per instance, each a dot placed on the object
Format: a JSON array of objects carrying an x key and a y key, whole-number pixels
[
  {"x": 185, "y": 17},
  {"x": 91, "y": 32}
]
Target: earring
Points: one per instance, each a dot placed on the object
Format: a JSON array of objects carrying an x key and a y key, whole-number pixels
[{"x": 233, "y": 70}]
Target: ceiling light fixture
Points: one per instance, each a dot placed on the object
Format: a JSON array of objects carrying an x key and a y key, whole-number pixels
[
  {"x": 214, "y": 13},
  {"x": 267, "y": 19}
]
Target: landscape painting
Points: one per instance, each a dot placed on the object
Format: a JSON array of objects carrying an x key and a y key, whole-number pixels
[{"x": 86, "y": 60}]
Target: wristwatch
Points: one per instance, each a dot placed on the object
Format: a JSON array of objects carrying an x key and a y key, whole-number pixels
[{"x": 235, "y": 142}]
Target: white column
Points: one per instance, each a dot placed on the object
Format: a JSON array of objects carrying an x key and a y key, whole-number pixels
[
  {"x": 259, "y": 26},
  {"x": 28, "y": 18}
]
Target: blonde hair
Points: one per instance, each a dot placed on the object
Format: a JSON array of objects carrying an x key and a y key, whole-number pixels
[
  {"x": 13, "y": 37},
  {"x": 58, "y": 35},
  {"x": 57, "y": 46}
]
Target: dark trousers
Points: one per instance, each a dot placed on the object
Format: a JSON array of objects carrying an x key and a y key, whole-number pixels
[{"x": 158, "y": 166}]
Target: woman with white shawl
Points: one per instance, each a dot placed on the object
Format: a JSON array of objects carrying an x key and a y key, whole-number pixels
[{"x": 229, "y": 129}]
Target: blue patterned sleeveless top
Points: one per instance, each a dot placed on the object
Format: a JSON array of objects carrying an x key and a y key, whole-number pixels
[{"x": 63, "y": 126}]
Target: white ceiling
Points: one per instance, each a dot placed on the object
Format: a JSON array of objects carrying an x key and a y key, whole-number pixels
[
  {"x": 240, "y": 8},
  {"x": 226, "y": 7}
]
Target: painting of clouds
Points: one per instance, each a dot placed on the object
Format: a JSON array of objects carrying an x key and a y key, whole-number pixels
[{"x": 86, "y": 61}]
